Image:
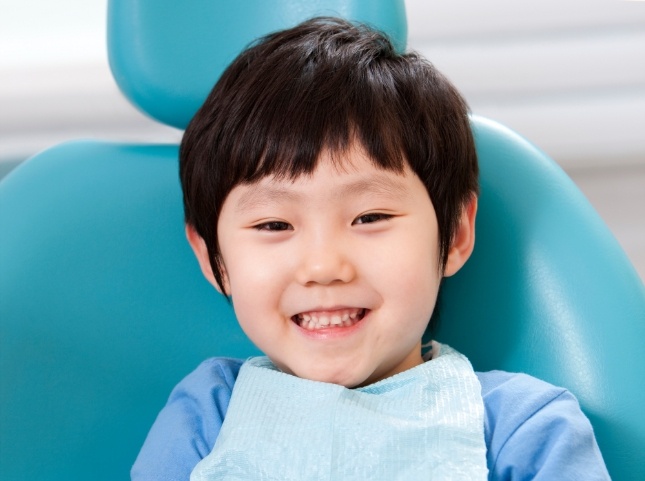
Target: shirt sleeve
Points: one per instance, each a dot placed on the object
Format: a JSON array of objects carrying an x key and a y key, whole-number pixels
[
  {"x": 536, "y": 431},
  {"x": 186, "y": 428}
]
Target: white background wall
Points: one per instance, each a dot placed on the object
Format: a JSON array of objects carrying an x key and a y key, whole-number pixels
[{"x": 567, "y": 74}]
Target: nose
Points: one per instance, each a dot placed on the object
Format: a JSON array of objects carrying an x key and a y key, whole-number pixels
[{"x": 325, "y": 261}]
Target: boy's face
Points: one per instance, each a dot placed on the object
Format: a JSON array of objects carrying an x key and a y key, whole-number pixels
[{"x": 334, "y": 276}]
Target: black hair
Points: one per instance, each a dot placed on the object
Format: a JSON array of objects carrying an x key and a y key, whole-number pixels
[{"x": 319, "y": 87}]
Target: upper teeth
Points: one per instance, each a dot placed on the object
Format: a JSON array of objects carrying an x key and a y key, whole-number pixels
[{"x": 320, "y": 320}]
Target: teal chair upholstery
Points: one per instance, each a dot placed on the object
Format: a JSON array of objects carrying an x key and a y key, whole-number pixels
[{"x": 103, "y": 308}]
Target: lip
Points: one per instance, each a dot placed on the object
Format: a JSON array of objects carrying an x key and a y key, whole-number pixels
[{"x": 331, "y": 332}]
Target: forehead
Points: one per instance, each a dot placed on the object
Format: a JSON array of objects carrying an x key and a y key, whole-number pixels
[{"x": 352, "y": 175}]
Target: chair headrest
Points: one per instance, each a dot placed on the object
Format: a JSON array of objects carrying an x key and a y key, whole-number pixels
[{"x": 167, "y": 55}]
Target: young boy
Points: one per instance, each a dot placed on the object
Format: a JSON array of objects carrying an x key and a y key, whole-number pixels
[{"x": 330, "y": 183}]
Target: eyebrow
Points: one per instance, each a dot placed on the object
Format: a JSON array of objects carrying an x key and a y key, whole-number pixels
[
  {"x": 376, "y": 185},
  {"x": 262, "y": 194}
]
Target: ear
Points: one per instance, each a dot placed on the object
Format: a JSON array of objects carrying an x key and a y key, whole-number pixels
[
  {"x": 464, "y": 240},
  {"x": 201, "y": 252}
]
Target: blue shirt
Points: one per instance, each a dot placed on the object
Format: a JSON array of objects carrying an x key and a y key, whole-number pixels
[{"x": 533, "y": 430}]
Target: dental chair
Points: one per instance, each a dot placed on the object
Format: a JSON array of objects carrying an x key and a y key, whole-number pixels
[{"x": 103, "y": 308}]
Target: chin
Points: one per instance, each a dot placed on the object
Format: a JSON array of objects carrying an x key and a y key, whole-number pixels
[{"x": 341, "y": 378}]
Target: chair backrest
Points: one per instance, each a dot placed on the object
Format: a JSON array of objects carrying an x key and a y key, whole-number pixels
[
  {"x": 103, "y": 308},
  {"x": 548, "y": 291}
]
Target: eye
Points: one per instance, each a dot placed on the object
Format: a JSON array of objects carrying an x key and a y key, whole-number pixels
[
  {"x": 273, "y": 226},
  {"x": 371, "y": 218}
]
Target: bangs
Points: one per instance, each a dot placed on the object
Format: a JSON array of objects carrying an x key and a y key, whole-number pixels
[
  {"x": 288, "y": 142},
  {"x": 293, "y": 110}
]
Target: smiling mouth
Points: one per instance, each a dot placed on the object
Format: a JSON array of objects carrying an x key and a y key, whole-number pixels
[{"x": 315, "y": 320}]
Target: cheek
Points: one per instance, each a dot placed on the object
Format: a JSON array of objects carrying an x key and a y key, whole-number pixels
[
  {"x": 412, "y": 278},
  {"x": 254, "y": 291},
  {"x": 256, "y": 286},
  {"x": 251, "y": 269},
  {"x": 256, "y": 314}
]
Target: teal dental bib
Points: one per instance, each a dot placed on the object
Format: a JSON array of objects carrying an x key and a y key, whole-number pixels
[{"x": 424, "y": 423}]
